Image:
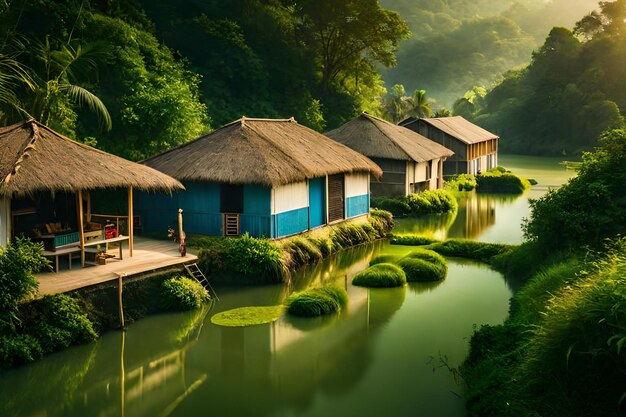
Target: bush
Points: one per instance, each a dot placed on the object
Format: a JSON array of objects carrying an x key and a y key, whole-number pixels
[
  {"x": 61, "y": 322},
  {"x": 590, "y": 207},
  {"x": 469, "y": 249},
  {"x": 182, "y": 293},
  {"x": 18, "y": 350},
  {"x": 411, "y": 240},
  {"x": 381, "y": 275},
  {"x": 399, "y": 207},
  {"x": 244, "y": 255},
  {"x": 383, "y": 259},
  {"x": 249, "y": 255},
  {"x": 496, "y": 181},
  {"x": 317, "y": 301},
  {"x": 18, "y": 261},
  {"x": 421, "y": 270},
  {"x": 432, "y": 202},
  {"x": 460, "y": 182}
]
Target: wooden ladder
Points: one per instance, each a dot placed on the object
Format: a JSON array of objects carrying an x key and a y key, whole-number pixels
[
  {"x": 195, "y": 272},
  {"x": 231, "y": 224}
]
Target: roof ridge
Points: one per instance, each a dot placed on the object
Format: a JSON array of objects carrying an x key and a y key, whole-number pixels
[
  {"x": 388, "y": 137},
  {"x": 29, "y": 145}
]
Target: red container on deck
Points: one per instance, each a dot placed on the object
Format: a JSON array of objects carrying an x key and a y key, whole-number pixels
[{"x": 110, "y": 232}]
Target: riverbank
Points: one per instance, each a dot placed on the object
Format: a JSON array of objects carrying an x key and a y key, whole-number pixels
[
  {"x": 247, "y": 260},
  {"x": 560, "y": 351}
]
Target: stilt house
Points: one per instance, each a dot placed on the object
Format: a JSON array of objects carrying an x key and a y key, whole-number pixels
[
  {"x": 267, "y": 177},
  {"x": 410, "y": 162},
  {"x": 45, "y": 185},
  {"x": 475, "y": 149}
]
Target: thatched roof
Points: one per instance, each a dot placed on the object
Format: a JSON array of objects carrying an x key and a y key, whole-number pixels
[
  {"x": 269, "y": 152},
  {"x": 378, "y": 138},
  {"x": 35, "y": 158},
  {"x": 457, "y": 127}
]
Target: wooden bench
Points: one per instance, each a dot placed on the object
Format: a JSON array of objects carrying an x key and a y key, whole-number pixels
[
  {"x": 118, "y": 239},
  {"x": 62, "y": 251}
]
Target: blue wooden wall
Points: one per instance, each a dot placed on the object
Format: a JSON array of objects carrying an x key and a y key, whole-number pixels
[
  {"x": 357, "y": 205},
  {"x": 201, "y": 210}
]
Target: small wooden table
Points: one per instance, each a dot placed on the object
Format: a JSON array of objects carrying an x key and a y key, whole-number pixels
[
  {"x": 118, "y": 239},
  {"x": 64, "y": 251}
]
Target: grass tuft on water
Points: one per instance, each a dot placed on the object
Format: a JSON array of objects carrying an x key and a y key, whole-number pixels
[
  {"x": 248, "y": 316},
  {"x": 421, "y": 270},
  {"x": 317, "y": 301},
  {"x": 383, "y": 275}
]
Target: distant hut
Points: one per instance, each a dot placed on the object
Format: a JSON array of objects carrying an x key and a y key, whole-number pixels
[
  {"x": 266, "y": 177},
  {"x": 410, "y": 162},
  {"x": 46, "y": 180},
  {"x": 475, "y": 149}
]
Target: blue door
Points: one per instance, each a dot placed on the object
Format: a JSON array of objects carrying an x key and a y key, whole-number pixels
[{"x": 317, "y": 202}]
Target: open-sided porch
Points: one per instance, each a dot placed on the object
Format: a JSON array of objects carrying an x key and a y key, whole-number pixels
[{"x": 149, "y": 255}]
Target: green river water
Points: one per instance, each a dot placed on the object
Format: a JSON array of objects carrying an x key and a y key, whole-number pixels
[{"x": 388, "y": 354}]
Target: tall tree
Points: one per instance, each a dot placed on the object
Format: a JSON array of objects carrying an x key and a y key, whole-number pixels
[{"x": 345, "y": 33}]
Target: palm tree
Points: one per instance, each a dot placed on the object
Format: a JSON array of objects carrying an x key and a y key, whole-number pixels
[
  {"x": 13, "y": 77},
  {"x": 57, "y": 76},
  {"x": 418, "y": 105},
  {"x": 394, "y": 103}
]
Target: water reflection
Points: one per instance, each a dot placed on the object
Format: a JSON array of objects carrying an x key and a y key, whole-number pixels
[{"x": 476, "y": 213}]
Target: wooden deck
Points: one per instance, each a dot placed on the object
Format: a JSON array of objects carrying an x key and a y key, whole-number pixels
[{"x": 148, "y": 255}]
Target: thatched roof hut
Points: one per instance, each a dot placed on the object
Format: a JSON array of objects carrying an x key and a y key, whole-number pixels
[
  {"x": 378, "y": 138},
  {"x": 267, "y": 152},
  {"x": 35, "y": 158}
]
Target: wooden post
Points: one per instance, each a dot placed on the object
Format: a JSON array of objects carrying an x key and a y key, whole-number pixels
[
  {"x": 122, "y": 375},
  {"x": 88, "y": 206},
  {"x": 130, "y": 221},
  {"x": 180, "y": 224},
  {"x": 119, "y": 292},
  {"x": 81, "y": 227}
]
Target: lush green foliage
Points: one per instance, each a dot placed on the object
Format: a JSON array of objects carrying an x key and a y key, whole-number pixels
[
  {"x": 18, "y": 261},
  {"x": 572, "y": 91},
  {"x": 497, "y": 181},
  {"x": 590, "y": 207},
  {"x": 470, "y": 249},
  {"x": 411, "y": 240},
  {"x": 317, "y": 301},
  {"x": 18, "y": 350},
  {"x": 559, "y": 353},
  {"x": 460, "y": 182},
  {"x": 380, "y": 275},
  {"x": 247, "y": 316},
  {"x": 48, "y": 325},
  {"x": 487, "y": 37},
  {"x": 426, "y": 202},
  {"x": 308, "y": 249},
  {"x": 61, "y": 322},
  {"x": 243, "y": 255},
  {"x": 422, "y": 270},
  {"x": 381, "y": 221},
  {"x": 182, "y": 293}
]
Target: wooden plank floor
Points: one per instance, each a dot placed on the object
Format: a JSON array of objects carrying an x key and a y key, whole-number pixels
[{"x": 148, "y": 255}]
